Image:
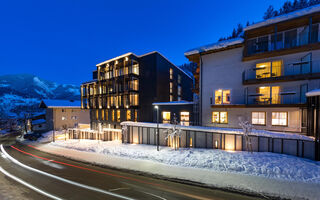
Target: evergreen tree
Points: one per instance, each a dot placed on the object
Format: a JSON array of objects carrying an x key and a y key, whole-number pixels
[{"x": 269, "y": 13}]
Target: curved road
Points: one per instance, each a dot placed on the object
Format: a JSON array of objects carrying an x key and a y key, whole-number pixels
[{"x": 65, "y": 179}]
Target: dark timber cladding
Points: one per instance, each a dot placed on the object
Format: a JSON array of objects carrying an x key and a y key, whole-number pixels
[{"x": 126, "y": 86}]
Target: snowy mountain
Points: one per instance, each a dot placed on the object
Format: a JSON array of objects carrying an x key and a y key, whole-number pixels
[{"x": 20, "y": 93}]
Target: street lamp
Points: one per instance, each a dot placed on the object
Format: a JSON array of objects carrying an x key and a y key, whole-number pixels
[{"x": 158, "y": 135}]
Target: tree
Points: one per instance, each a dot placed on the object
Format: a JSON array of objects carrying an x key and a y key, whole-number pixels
[
  {"x": 174, "y": 133},
  {"x": 247, "y": 129},
  {"x": 65, "y": 128},
  {"x": 270, "y": 13}
]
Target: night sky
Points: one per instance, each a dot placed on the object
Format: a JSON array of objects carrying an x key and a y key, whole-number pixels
[{"x": 63, "y": 40}]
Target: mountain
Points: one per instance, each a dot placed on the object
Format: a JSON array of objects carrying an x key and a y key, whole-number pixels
[{"x": 21, "y": 93}]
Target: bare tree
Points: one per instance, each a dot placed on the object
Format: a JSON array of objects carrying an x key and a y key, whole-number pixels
[
  {"x": 247, "y": 129},
  {"x": 174, "y": 133}
]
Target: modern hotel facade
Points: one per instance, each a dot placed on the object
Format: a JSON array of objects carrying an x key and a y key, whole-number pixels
[
  {"x": 263, "y": 77},
  {"x": 124, "y": 88}
]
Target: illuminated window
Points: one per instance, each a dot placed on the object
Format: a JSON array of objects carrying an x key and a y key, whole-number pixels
[
  {"x": 113, "y": 115},
  {"x": 220, "y": 117},
  {"x": 134, "y": 99},
  {"x": 166, "y": 116},
  {"x": 222, "y": 97},
  {"x": 171, "y": 87},
  {"x": 135, "y": 69},
  {"x": 184, "y": 118},
  {"x": 118, "y": 116},
  {"x": 171, "y": 73},
  {"x": 136, "y": 115},
  {"x": 135, "y": 85},
  {"x": 128, "y": 115},
  {"x": 269, "y": 94},
  {"x": 190, "y": 142},
  {"x": 258, "y": 118},
  {"x": 215, "y": 117},
  {"x": 106, "y": 116},
  {"x": 97, "y": 114},
  {"x": 279, "y": 118},
  {"x": 102, "y": 114},
  {"x": 171, "y": 98},
  {"x": 263, "y": 70}
]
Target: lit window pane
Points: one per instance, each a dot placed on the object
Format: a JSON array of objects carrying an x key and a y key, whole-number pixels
[
  {"x": 223, "y": 117},
  {"x": 215, "y": 117}
]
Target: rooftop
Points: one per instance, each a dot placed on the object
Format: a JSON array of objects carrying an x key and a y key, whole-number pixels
[
  {"x": 313, "y": 93},
  {"x": 172, "y": 103},
  {"x": 215, "y": 46},
  {"x": 49, "y": 103},
  {"x": 285, "y": 17}
]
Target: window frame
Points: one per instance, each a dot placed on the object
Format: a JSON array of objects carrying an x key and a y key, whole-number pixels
[
  {"x": 219, "y": 117},
  {"x": 222, "y": 95},
  {"x": 265, "y": 118},
  {"x": 287, "y": 118}
]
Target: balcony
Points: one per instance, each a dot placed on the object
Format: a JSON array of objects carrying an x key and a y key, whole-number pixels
[{"x": 299, "y": 70}]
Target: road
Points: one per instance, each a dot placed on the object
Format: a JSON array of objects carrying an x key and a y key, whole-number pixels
[{"x": 60, "y": 178}]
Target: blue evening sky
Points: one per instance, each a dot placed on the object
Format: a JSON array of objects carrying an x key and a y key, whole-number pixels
[{"x": 63, "y": 40}]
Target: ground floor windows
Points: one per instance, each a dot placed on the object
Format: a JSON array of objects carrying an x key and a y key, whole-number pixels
[
  {"x": 279, "y": 118},
  {"x": 258, "y": 118},
  {"x": 166, "y": 117},
  {"x": 220, "y": 117},
  {"x": 185, "y": 118}
]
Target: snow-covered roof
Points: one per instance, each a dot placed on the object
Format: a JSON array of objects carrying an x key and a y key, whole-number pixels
[
  {"x": 313, "y": 93},
  {"x": 38, "y": 121},
  {"x": 49, "y": 103},
  {"x": 285, "y": 17},
  {"x": 152, "y": 52},
  {"x": 214, "y": 46},
  {"x": 172, "y": 103},
  {"x": 255, "y": 132}
]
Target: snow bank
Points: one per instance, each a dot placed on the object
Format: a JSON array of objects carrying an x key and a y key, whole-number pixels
[{"x": 263, "y": 164}]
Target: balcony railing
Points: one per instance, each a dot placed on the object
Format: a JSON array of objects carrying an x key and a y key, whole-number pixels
[
  {"x": 282, "y": 98},
  {"x": 294, "y": 70}
]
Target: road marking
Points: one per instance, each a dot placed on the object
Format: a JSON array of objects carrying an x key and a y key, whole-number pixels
[
  {"x": 116, "y": 189},
  {"x": 155, "y": 195},
  {"x": 63, "y": 179},
  {"x": 28, "y": 185}
]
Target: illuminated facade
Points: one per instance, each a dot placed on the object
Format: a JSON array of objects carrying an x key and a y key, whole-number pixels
[
  {"x": 263, "y": 77},
  {"x": 125, "y": 87}
]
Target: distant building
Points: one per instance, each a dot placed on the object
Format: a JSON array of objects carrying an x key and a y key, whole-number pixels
[
  {"x": 60, "y": 113},
  {"x": 263, "y": 77},
  {"x": 125, "y": 87}
]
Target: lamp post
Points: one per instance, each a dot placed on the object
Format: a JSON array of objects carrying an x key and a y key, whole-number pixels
[{"x": 158, "y": 135}]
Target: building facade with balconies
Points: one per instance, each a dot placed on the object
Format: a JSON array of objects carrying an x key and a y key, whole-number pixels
[
  {"x": 124, "y": 88},
  {"x": 262, "y": 77}
]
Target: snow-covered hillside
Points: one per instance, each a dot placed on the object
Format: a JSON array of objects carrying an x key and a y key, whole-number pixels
[{"x": 23, "y": 92}]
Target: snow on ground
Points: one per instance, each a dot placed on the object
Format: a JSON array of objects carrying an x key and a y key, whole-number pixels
[{"x": 269, "y": 165}]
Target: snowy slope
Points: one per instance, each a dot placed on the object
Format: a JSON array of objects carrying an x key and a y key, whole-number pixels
[{"x": 23, "y": 92}]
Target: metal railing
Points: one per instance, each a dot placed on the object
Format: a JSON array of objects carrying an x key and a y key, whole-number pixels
[{"x": 290, "y": 69}]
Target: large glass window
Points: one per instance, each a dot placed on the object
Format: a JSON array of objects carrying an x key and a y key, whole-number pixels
[
  {"x": 279, "y": 118},
  {"x": 166, "y": 117},
  {"x": 220, "y": 117},
  {"x": 258, "y": 118},
  {"x": 134, "y": 99},
  {"x": 303, "y": 35},
  {"x": 113, "y": 113},
  {"x": 118, "y": 115},
  {"x": 222, "y": 97},
  {"x": 171, "y": 87},
  {"x": 263, "y": 70},
  {"x": 277, "y": 43},
  {"x": 171, "y": 73},
  {"x": 128, "y": 115},
  {"x": 290, "y": 39},
  {"x": 315, "y": 33},
  {"x": 269, "y": 94},
  {"x": 135, "y": 69},
  {"x": 184, "y": 118}
]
